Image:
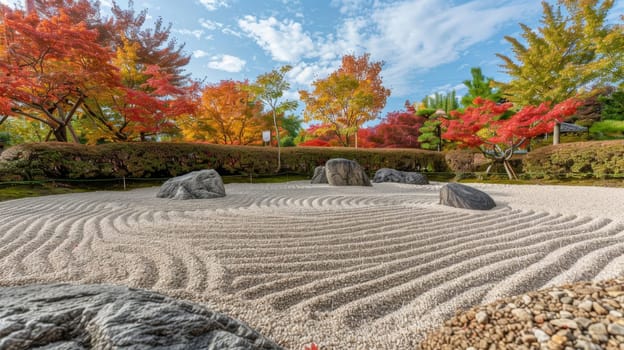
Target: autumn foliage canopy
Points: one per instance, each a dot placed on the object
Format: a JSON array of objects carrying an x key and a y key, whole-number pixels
[
  {"x": 488, "y": 124},
  {"x": 60, "y": 61}
]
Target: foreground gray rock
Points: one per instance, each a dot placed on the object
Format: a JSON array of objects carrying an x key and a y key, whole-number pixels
[
  {"x": 466, "y": 197},
  {"x": 319, "y": 176},
  {"x": 404, "y": 177},
  {"x": 345, "y": 172},
  {"x": 76, "y": 317},
  {"x": 202, "y": 184}
]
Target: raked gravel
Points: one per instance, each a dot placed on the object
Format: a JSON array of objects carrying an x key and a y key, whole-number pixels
[{"x": 344, "y": 267}]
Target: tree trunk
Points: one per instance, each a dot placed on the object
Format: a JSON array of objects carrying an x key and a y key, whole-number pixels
[
  {"x": 510, "y": 172},
  {"x": 60, "y": 133},
  {"x": 279, "y": 150}
]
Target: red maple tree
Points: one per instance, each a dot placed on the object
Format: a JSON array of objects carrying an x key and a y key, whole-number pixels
[
  {"x": 154, "y": 106},
  {"x": 49, "y": 67},
  {"x": 399, "y": 129},
  {"x": 498, "y": 132}
]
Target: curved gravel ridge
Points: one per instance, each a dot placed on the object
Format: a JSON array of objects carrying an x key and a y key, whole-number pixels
[{"x": 345, "y": 267}]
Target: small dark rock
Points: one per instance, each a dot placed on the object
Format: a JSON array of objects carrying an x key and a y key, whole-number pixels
[
  {"x": 319, "y": 176},
  {"x": 405, "y": 177},
  {"x": 466, "y": 197},
  {"x": 344, "y": 172},
  {"x": 202, "y": 184}
]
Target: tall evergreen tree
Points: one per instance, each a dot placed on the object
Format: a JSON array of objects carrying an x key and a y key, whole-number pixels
[
  {"x": 479, "y": 86},
  {"x": 570, "y": 50},
  {"x": 446, "y": 102}
]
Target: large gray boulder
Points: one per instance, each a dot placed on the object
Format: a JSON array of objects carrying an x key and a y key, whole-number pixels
[
  {"x": 201, "y": 184},
  {"x": 344, "y": 172},
  {"x": 404, "y": 177},
  {"x": 319, "y": 176},
  {"x": 63, "y": 316},
  {"x": 466, "y": 197}
]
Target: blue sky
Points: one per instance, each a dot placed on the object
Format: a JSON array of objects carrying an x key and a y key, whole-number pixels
[{"x": 428, "y": 46}]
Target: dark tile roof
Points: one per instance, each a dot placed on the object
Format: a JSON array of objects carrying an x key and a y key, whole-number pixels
[{"x": 569, "y": 127}]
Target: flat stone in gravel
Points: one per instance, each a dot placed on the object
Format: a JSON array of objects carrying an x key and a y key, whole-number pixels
[
  {"x": 201, "y": 184},
  {"x": 521, "y": 315},
  {"x": 461, "y": 196},
  {"x": 319, "y": 176},
  {"x": 615, "y": 329},
  {"x": 598, "y": 331},
  {"x": 564, "y": 323},
  {"x": 404, "y": 177},
  {"x": 345, "y": 172},
  {"x": 63, "y": 316}
]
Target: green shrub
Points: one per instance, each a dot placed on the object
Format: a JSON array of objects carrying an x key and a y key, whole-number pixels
[
  {"x": 55, "y": 160},
  {"x": 609, "y": 128},
  {"x": 598, "y": 159}
]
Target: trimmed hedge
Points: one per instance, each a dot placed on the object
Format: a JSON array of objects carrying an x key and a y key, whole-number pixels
[
  {"x": 597, "y": 159},
  {"x": 54, "y": 160},
  {"x": 470, "y": 161}
]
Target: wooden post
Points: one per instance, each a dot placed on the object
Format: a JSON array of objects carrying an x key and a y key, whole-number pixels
[{"x": 556, "y": 133}]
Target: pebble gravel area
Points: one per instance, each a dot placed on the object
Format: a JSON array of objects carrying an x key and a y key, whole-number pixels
[{"x": 582, "y": 315}]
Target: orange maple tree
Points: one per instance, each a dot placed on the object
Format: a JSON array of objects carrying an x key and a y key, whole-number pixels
[
  {"x": 347, "y": 98},
  {"x": 228, "y": 114}
]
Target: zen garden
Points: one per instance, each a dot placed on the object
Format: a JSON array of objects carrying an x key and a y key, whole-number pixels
[{"x": 142, "y": 207}]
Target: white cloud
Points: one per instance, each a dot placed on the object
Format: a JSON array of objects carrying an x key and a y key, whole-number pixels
[
  {"x": 291, "y": 95},
  {"x": 284, "y": 40},
  {"x": 416, "y": 35},
  {"x": 197, "y": 33},
  {"x": 409, "y": 36},
  {"x": 200, "y": 53},
  {"x": 210, "y": 25},
  {"x": 227, "y": 63},
  {"x": 232, "y": 32},
  {"x": 350, "y": 6},
  {"x": 304, "y": 74},
  {"x": 446, "y": 88},
  {"x": 212, "y": 5}
]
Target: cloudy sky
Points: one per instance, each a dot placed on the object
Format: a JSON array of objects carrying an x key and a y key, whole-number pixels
[{"x": 427, "y": 45}]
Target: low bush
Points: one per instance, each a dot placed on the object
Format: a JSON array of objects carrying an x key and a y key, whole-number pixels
[
  {"x": 608, "y": 128},
  {"x": 597, "y": 159},
  {"x": 55, "y": 160}
]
